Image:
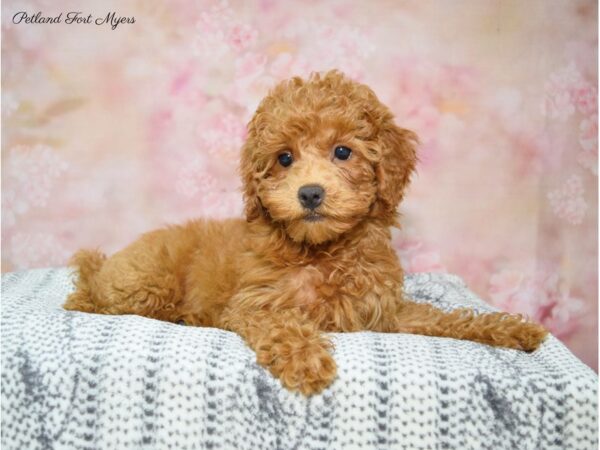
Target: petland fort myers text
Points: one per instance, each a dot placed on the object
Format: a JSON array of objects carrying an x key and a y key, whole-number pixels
[{"x": 111, "y": 19}]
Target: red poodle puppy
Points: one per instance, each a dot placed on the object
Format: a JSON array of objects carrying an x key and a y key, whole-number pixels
[{"x": 324, "y": 168}]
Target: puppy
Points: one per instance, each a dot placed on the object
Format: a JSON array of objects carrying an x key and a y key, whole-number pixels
[{"x": 324, "y": 168}]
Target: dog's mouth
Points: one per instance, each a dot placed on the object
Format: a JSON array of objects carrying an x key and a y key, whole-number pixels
[{"x": 313, "y": 217}]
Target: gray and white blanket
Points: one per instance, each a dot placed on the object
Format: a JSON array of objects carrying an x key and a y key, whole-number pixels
[{"x": 82, "y": 381}]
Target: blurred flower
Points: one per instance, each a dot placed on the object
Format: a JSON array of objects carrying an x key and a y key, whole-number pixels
[
  {"x": 193, "y": 179},
  {"x": 558, "y": 104},
  {"x": 206, "y": 191},
  {"x": 568, "y": 202},
  {"x": 212, "y": 32},
  {"x": 36, "y": 250},
  {"x": 539, "y": 296},
  {"x": 222, "y": 134},
  {"x": 342, "y": 46},
  {"x": 31, "y": 173},
  {"x": 242, "y": 36},
  {"x": 565, "y": 90},
  {"x": 586, "y": 98},
  {"x": 12, "y": 207},
  {"x": 10, "y": 103},
  {"x": 416, "y": 257},
  {"x": 219, "y": 32},
  {"x": 588, "y": 138},
  {"x": 505, "y": 283},
  {"x": 434, "y": 99},
  {"x": 286, "y": 65},
  {"x": 248, "y": 67}
]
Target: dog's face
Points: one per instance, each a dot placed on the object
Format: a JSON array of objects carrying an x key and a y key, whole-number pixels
[{"x": 323, "y": 155}]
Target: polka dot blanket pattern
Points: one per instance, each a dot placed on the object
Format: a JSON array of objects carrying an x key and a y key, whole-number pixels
[{"x": 82, "y": 381}]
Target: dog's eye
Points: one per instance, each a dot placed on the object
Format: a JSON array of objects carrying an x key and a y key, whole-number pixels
[
  {"x": 342, "y": 152},
  {"x": 285, "y": 159}
]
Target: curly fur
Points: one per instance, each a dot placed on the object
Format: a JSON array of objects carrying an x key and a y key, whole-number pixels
[{"x": 277, "y": 279}]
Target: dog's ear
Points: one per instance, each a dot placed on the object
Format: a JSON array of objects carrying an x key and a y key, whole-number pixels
[
  {"x": 394, "y": 168},
  {"x": 252, "y": 206}
]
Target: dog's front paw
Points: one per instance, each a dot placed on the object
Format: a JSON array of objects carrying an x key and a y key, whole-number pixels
[
  {"x": 309, "y": 374},
  {"x": 305, "y": 366}
]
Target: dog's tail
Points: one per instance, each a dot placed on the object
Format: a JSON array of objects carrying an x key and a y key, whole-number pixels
[{"x": 87, "y": 263}]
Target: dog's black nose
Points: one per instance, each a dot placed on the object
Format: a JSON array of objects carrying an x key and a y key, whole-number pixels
[{"x": 311, "y": 195}]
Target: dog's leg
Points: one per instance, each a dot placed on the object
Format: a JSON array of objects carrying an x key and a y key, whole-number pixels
[
  {"x": 497, "y": 329},
  {"x": 287, "y": 344}
]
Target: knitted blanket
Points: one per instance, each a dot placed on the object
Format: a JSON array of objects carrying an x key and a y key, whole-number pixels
[{"x": 82, "y": 381}]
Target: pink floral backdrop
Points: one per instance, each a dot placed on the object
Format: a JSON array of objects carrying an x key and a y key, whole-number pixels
[{"x": 109, "y": 133}]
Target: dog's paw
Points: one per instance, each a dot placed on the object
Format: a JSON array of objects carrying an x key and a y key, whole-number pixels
[
  {"x": 311, "y": 373},
  {"x": 513, "y": 331},
  {"x": 307, "y": 367},
  {"x": 530, "y": 336}
]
